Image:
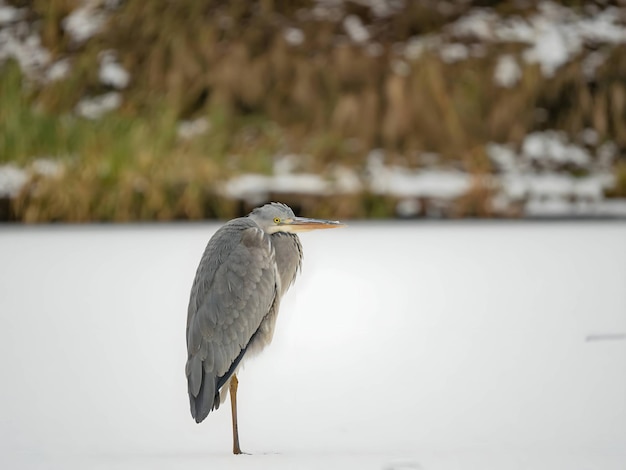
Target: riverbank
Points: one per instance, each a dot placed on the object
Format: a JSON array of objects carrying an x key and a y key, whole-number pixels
[{"x": 114, "y": 111}]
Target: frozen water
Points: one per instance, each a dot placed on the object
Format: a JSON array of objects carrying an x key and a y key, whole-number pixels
[{"x": 415, "y": 346}]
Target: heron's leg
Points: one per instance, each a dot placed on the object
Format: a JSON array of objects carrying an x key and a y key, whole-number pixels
[{"x": 233, "y": 407}]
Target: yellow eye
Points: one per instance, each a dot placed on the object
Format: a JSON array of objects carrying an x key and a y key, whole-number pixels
[{"x": 276, "y": 220}]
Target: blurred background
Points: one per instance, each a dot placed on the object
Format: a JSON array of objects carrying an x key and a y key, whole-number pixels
[{"x": 128, "y": 110}]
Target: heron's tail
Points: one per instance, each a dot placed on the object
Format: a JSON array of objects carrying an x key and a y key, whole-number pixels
[{"x": 203, "y": 394}]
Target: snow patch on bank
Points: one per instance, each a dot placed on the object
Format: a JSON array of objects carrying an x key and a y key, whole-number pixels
[
  {"x": 12, "y": 179},
  {"x": 20, "y": 40},
  {"x": 554, "y": 35},
  {"x": 537, "y": 178}
]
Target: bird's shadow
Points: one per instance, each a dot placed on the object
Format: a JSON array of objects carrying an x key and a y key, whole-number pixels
[{"x": 259, "y": 453}]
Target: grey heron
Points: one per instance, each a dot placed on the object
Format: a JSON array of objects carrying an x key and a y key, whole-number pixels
[{"x": 246, "y": 268}]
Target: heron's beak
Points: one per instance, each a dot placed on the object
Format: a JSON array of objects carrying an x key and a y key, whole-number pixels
[{"x": 302, "y": 224}]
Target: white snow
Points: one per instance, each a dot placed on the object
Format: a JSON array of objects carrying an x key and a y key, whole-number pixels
[
  {"x": 417, "y": 45},
  {"x": 531, "y": 177},
  {"x": 408, "y": 207},
  {"x": 415, "y": 346},
  {"x": 615, "y": 207},
  {"x": 551, "y": 192},
  {"x": 256, "y": 188},
  {"x": 552, "y": 47},
  {"x": 503, "y": 156},
  {"x": 18, "y": 42},
  {"x": 9, "y": 14},
  {"x": 478, "y": 23},
  {"x": 286, "y": 164},
  {"x": 193, "y": 128},
  {"x": 324, "y": 9},
  {"x": 12, "y": 179},
  {"x": 355, "y": 29},
  {"x": 606, "y": 26},
  {"x": 374, "y": 49},
  {"x": 550, "y": 185},
  {"x": 97, "y": 106},
  {"x": 400, "y": 67},
  {"x": 58, "y": 70},
  {"x": 507, "y": 72},
  {"x": 592, "y": 62},
  {"x": 559, "y": 207},
  {"x": 345, "y": 180},
  {"x": 48, "y": 167},
  {"x": 589, "y": 136},
  {"x": 294, "y": 36},
  {"x": 382, "y": 8},
  {"x": 554, "y": 35},
  {"x": 606, "y": 153},
  {"x": 286, "y": 179},
  {"x": 433, "y": 183},
  {"x": 111, "y": 72},
  {"x": 455, "y": 52},
  {"x": 85, "y": 21}
]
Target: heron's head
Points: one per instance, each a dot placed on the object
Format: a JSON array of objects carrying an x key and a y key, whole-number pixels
[{"x": 277, "y": 217}]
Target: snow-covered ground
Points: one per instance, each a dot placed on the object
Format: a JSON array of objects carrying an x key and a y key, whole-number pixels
[{"x": 401, "y": 346}]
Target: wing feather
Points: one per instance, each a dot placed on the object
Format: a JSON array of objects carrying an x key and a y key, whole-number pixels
[
  {"x": 234, "y": 289},
  {"x": 195, "y": 374}
]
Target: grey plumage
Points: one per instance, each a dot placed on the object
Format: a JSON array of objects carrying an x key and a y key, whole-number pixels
[
  {"x": 247, "y": 266},
  {"x": 240, "y": 277}
]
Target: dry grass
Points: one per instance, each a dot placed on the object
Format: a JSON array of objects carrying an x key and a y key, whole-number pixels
[{"x": 326, "y": 98}]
